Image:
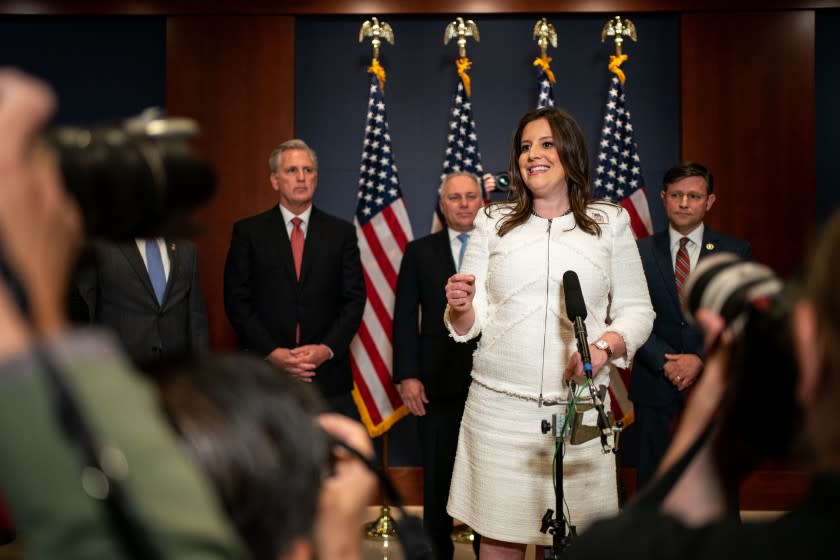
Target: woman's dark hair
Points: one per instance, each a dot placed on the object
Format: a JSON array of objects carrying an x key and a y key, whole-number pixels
[
  {"x": 252, "y": 430},
  {"x": 571, "y": 148}
]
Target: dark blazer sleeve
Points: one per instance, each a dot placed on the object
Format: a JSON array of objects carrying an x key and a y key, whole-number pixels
[
  {"x": 85, "y": 285},
  {"x": 406, "y": 318},
  {"x": 240, "y": 306},
  {"x": 353, "y": 296},
  {"x": 198, "y": 332}
]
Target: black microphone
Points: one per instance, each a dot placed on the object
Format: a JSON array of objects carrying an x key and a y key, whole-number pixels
[{"x": 576, "y": 312}]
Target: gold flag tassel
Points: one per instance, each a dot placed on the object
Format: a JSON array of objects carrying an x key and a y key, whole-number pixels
[
  {"x": 463, "y": 64},
  {"x": 544, "y": 62},
  {"x": 377, "y": 70},
  {"x": 615, "y": 66}
]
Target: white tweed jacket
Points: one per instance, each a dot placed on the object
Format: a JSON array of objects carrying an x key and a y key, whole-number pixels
[{"x": 526, "y": 338}]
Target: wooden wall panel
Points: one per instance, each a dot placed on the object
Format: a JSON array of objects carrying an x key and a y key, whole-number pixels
[
  {"x": 235, "y": 75},
  {"x": 747, "y": 84},
  {"x": 382, "y": 7}
]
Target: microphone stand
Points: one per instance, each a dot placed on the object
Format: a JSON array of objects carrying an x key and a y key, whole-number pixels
[
  {"x": 604, "y": 423},
  {"x": 557, "y": 525}
]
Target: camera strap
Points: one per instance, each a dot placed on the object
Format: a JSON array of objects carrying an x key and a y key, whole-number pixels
[
  {"x": 122, "y": 515},
  {"x": 654, "y": 494}
]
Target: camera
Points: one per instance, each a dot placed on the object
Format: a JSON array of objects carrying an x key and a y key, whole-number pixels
[
  {"x": 138, "y": 178},
  {"x": 502, "y": 181},
  {"x": 760, "y": 362}
]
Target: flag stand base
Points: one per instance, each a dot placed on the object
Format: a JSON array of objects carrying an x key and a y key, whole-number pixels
[
  {"x": 383, "y": 528},
  {"x": 462, "y": 534}
]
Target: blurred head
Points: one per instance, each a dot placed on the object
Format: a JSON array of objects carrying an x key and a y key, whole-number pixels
[
  {"x": 816, "y": 323},
  {"x": 294, "y": 174},
  {"x": 460, "y": 199},
  {"x": 687, "y": 195},
  {"x": 748, "y": 307},
  {"x": 252, "y": 430},
  {"x": 548, "y": 152}
]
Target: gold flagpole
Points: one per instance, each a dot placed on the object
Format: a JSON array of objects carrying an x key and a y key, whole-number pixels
[{"x": 383, "y": 528}]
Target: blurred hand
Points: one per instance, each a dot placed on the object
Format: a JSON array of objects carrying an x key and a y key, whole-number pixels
[
  {"x": 345, "y": 495},
  {"x": 413, "y": 394},
  {"x": 488, "y": 180},
  {"x": 40, "y": 224}
]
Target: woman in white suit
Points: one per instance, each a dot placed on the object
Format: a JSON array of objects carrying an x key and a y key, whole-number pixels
[{"x": 510, "y": 290}]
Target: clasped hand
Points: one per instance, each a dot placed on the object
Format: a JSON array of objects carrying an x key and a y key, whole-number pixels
[
  {"x": 460, "y": 291},
  {"x": 301, "y": 361}
]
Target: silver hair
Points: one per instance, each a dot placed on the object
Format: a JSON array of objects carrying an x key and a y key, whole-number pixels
[
  {"x": 293, "y": 144},
  {"x": 447, "y": 176}
]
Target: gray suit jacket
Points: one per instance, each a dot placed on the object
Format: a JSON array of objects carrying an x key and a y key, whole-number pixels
[{"x": 117, "y": 292}]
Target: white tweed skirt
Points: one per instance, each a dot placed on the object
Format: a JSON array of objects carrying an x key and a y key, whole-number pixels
[{"x": 502, "y": 484}]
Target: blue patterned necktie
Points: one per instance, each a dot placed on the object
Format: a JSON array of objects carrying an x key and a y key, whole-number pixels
[
  {"x": 154, "y": 262},
  {"x": 463, "y": 238}
]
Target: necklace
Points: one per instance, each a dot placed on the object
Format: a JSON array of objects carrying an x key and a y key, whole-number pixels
[{"x": 566, "y": 213}]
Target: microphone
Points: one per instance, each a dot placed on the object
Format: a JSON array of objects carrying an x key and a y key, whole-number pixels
[{"x": 576, "y": 312}]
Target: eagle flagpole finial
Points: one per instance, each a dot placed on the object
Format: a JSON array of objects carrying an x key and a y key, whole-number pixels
[
  {"x": 377, "y": 31},
  {"x": 545, "y": 33},
  {"x": 461, "y": 29},
  {"x": 618, "y": 29}
]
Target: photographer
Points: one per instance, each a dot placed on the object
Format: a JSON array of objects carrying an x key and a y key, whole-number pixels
[
  {"x": 768, "y": 340},
  {"x": 89, "y": 466}
]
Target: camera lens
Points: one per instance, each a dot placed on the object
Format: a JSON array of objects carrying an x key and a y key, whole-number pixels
[{"x": 133, "y": 180}]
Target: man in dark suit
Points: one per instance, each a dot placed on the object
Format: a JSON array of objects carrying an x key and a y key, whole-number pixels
[
  {"x": 148, "y": 292},
  {"x": 294, "y": 290},
  {"x": 432, "y": 370},
  {"x": 672, "y": 358}
]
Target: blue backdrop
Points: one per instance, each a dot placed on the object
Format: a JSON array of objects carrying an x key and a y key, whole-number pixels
[{"x": 332, "y": 89}]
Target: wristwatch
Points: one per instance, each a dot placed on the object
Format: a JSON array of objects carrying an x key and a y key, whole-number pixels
[{"x": 603, "y": 345}]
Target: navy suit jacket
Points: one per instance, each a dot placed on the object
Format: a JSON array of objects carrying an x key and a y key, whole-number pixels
[
  {"x": 423, "y": 348},
  {"x": 671, "y": 332},
  {"x": 117, "y": 292},
  {"x": 264, "y": 300}
]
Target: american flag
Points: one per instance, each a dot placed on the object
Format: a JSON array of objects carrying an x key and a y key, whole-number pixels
[
  {"x": 545, "y": 97},
  {"x": 384, "y": 230},
  {"x": 618, "y": 171},
  {"x": 461, "y": 146},
  {"x": 618, "y": 177}
]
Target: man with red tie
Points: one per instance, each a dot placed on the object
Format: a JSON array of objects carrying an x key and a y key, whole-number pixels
[
  {"x": 672, "y": 358},
  {"x": 294, "y": 290}
]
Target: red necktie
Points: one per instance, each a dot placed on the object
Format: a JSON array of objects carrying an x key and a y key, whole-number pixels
[
  {"x": 682, "y": 265},
  {"x": 297, "y": 254},
  {"x": 297, "y": 244}
]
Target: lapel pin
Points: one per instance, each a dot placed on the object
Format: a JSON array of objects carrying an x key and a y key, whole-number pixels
[
  {"x": 710, "y": 246},
  {"x": 172, "y": 247}
]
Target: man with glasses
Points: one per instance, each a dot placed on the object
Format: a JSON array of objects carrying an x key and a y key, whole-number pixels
[{"x": 671, "y": 360}]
